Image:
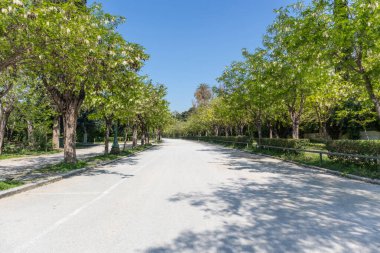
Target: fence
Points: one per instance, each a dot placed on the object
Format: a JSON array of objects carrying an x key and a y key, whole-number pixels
[{"x": 321, "y": 153}]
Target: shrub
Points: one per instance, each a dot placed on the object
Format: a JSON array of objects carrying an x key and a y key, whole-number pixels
[
  {"x": 357, "y": 147},
  {"x": 285, "y": 143},
  {"x": 245, "y": 139}
]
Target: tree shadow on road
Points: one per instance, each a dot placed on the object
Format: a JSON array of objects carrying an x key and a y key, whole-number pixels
[{"x": 286, "y": 209}]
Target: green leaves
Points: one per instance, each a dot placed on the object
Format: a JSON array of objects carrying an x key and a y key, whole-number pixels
[{"x": 316, "y": 59}]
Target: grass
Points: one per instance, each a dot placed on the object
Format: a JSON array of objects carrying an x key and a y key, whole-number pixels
[
  {"x": 64, "y": 167},
  {"x": 25, "y": 152},
  {"x": 317, "y": 146},
  {"x": 5, "y": 185},
  {"x": 314, "y": 160},
  {"x": 88, "y": 162}
]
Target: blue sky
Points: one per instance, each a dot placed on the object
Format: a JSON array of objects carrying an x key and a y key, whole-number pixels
[{"x": 192, "y": 41}]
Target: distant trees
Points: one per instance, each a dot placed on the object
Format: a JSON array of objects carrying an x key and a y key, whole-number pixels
[{"x": 318, "y": 70}]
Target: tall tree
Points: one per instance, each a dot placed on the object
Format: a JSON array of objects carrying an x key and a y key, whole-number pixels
[{"x": 203, "y": 94}]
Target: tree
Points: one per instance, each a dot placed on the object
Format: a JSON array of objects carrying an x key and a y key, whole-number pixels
[
  {"x": 356, "y": 44},
  {"x": 74, "y": 43},
  {"x": 203, "y": 94},
  {"x": 8, "y": 103}
]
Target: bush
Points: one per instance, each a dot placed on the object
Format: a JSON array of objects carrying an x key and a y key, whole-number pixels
[
  {"x": 285, "y": 143},
  {"x": 367, "y": 148},
  {"x": 245, "y": 139}
]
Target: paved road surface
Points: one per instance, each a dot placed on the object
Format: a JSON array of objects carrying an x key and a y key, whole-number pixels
[
  {"x": 191, "y": 197},
  {"x": 16, "y": 166}
]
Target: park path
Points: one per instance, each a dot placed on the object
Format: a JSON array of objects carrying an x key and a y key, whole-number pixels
[
  {"x": 10, "y": 168},
  {"x": 184, "y": 196}
]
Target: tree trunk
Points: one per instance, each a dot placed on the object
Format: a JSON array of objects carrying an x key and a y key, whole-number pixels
[
  {"x": 134, "y": 136},
  {"x": 125, "y": 137},
  {"x": 70, "y": 117},
  {"x": 143, "y": 138},
  {"x": 295, "y": 116},
  {"x": 159, "y": 135},
  {"x": 11, "y": 131},
  {"x": 226, "y": 131},
  {"x": 107, "y": 136},
  {"x": 270, "y": 126},
  {"x": 295, "y": 124},
  {"x": 85, "y": 134},
  {"x": 56, "y": 132},
  {"x": 31, "y": 142},
  {"x": 147, "y": 137},
  {"x": 3, "y": 123},
  {"x": 259, "y": 130},
  {"x": 259, "y": 127},
  {"x": 369, "y": 87},
  {"x": 5, "y": 112},
  {"x": 216, "y": 129},
  {"x": 296, "y": 130},
  {"x": 324, "y": 131}
]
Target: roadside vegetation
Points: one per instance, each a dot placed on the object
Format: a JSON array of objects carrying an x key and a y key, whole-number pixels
[
  {"x": 63, "y": 167},
  {"x": 314, "y": 84},
  {"x": 67, "y": 75},
  {"x": 346, "y": 166},
  {"x": 6, "y": 185},
  {"x": 88, "y": 162},
  {"x": 317, "y": 72},
  {"x": 25, "y": 153}
]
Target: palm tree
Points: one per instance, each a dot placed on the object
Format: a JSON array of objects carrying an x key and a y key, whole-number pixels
[{"x": 203, "y": 94}]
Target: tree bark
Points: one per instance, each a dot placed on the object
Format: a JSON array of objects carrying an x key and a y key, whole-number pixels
[
  {"x": 5, "y": 112},
  {"x": 369, "y": 87},
  {"x": 4, "y": 115},
  {"x": 216, "y": 131},
  {"x": 107, "y": 136},
  {"x": 147, "y": 137},
  {"x": 134, "y": 135},
  {"x": 70, "y": 117},
  {"x": 30, "y": 130},
  {"x": 85, "y": 134},
  {"x": 259, "y": 129},
  {"x": 296, "y": 129},
  {"x": 159, "y": 135},
  {"x": 270, "y": 126},
  {"x": 125, "y": 137},
  {"x": 56, "y": 132},
  {"x": 143, "y": 138},
  {"x": 295, "y": 117}
]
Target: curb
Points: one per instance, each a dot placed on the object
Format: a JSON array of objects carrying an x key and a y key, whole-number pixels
[
  {"x": 327, "y": 171},
  {"x": 31, "y": 186}
]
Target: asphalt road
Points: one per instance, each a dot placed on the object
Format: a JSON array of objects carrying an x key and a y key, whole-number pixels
[{"x": 186, "y": 196}]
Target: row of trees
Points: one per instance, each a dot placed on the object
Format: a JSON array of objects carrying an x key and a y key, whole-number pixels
[
  {"x": 59, "y": 58},
  {"x": 319, "y": 68}
]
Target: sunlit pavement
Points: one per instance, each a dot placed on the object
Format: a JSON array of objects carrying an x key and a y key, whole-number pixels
[{"x": 187, "y": 196}]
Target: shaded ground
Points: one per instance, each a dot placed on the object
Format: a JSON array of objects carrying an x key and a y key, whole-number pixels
[
  {"x": 15, "y": 167},
  {"x": 193, "y": 197}
]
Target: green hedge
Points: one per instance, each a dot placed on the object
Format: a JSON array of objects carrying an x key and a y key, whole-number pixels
[
  {"x": 245, "y": 139},
  {"x": 368, "y": 148},
  {"x": 285, "y": 143}
]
